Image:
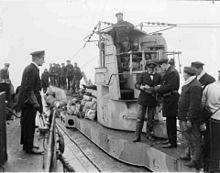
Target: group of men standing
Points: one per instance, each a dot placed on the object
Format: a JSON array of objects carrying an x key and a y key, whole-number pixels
[
  {"x": 193, "y": 107},
  {"x": 66, "y": 77}
]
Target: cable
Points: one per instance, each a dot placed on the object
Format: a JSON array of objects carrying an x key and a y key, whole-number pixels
[
  {"x": 90, "y": 60},
  {"x": 77, "y": 52},
  {"x": 162, "y": 30}
]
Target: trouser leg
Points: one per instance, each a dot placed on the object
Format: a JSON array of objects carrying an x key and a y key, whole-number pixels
[
  {"x": 74, "y": 85},
  {"x": 185, "y": 138},
  {"x": 28, "y": 127},
  {"x": 140, "y": 120},
  {"x": 150, "y": 120},
  {"x": 196, "y": 142},
  {"x": 171, "y": 130}
]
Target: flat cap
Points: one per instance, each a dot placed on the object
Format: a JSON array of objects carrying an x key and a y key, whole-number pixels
[
  {"x": 162, "y": 60},
  {"x": 150, "y": 63},
  {"x": 197, "y": 64},
  {"x": 7, "y": 64},
  {"x": 119, "y": 13},
  {"x": 189, "y": 70},
  {"x": 38, "y": 53},
  {"x": 172, "y": 61}
]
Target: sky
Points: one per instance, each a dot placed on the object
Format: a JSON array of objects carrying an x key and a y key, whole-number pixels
[{"x": 59, "y": 27}]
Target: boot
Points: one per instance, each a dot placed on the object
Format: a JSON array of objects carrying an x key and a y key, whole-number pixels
[
  {"x": 137, "y": 139},
  {"x": 138, "y": 133}
]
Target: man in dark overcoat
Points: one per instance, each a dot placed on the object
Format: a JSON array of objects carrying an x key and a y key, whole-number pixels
[
  {"x": 147, "y": 100},
  {"x": 205, "y": 79},
  {"x": 169, "y": 91},
  {"x": 189, "y": 115},
  {"x": 29, "y": 101}
]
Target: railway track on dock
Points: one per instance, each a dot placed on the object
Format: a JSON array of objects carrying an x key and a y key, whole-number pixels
[{"x": 84, "y": 156}]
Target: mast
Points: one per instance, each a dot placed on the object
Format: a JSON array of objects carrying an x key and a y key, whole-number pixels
[{"x": 100, "y": 45}]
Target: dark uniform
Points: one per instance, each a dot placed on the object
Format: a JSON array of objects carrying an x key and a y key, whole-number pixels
[
  {"x": 52, "y": 74},
  {"x": 169, "y": 91},
  {"x": 63, "y": 74},
  {"x": 120, "y": 35},
  {"x": 205, "y": 80},
  {"x": 189, "y": 111},
  {"x": 69, "y": 71},
  {"x": 4, "y": 73},
  {"x": 29, "y": 100},
  {"x": 45, "y": 80},
  {"x": 77, "y": 76},
  {"x": 146, "y": 101}
]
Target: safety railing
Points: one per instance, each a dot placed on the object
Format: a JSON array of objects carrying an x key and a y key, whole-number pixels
[
  {"x": 55, "y": 142},
  {"x": 50, "y": 161}
]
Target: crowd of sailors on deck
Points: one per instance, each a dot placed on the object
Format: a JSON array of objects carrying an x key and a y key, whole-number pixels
[{"x": 64, "y": 76}]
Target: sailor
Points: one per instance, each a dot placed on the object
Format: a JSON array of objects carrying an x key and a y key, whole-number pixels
[
  {"x": 169, "y": 91},
  {"x": 120, "y": 33},
  {"x": 63, "y": 76},
  {"x": 189, "y": 112},
  {"x": 45, "y": 80},
  {"x": 203, "y": 77},
  {"x": 147, "y": 100},
  {"x": 52, "y": 74},
  {"x": 29, "y": 101},
  {"x": 211, "y": 104},
  {"x": 77, "y": 76},
  {"x": 4, "y": 73},
  {"x": 69, "y": 71}
]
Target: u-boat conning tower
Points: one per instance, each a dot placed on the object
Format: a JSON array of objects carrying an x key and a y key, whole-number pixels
[{"x": 117, "y": 74}]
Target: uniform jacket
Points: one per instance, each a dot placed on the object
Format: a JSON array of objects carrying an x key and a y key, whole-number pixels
[
  {"x": 190, "y": 101},
  {"x": 29, "y": 93},
  {"x": 168, "y": 89},
  {"x": 69, "y": 70},
  {"x": 206, "y": 79},
  {"x": 63, "y": 71},
  {"x": 77, "y": 75},
  {"x": 45, "y": 79},
  {"x": 147, "y": 99},
  {"x": 4, "y": 74},
  {"x": 52, "y": 71},
  {"x": 121, "y": 31}
]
